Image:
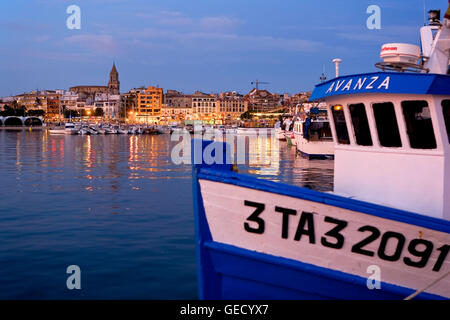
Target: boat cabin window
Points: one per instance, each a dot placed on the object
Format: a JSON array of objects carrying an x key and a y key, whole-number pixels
[
  {"x": 340, "y": 125},
  {"x": 446, "y": 111},
  {"x": 387, "y": 126},
  {"x": 319, "y": 130},
  {"x": 360, "y": 124},
  {"x": 418, "y": 124}
]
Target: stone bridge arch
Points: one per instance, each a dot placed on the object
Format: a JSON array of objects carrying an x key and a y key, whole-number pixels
[
  {"x": 13, "y": 121},
  {"x": 32, "y": 121}
]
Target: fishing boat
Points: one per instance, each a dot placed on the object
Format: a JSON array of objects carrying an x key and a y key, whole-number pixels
[
  {"x": 384, "y": 233},
  {"x": 153, "y": 130},
  {"x": 67, "y": 129},
  {"x": 56, "y": 131},
  {"x": 120, "y": 130},
  {"x": 313, "y": 134},
  {"x": 175, "y": 128},
  {"x": 84, "y": 131},
  {"x": 279, "y": 130},
  {"x": 109, "y": 129},
  {"x": 70, "y": 128},
  {"x": 195, "y": 128}
]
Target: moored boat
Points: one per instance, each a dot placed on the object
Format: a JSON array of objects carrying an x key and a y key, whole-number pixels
[
  {"x": 70, "y": 128},
  {"x": 67, "y": 129},
  {"x": 313, "y": 134},
  {"x": 279, "y": 131},
  {"x": 56, "y": 131},
  {"x": 384, "y": 233}
]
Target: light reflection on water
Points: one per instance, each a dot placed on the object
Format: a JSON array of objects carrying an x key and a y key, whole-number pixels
[
  {"x": 277, "y": 161},
  {"x": 114, "y": 205}
]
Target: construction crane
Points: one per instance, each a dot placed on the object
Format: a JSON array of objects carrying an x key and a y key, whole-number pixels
[{"x": 257, "y": 83}]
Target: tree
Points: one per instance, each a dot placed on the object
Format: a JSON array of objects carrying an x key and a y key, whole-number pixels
[
  {"x": 20, "y": 111},
  {"x": 14, "y": 104},
  {"x": 98, "y": 112},
  {"x": 36, "y": 113},
  {"x": 69, "y": 113},
  {"x": 246, "y": 115},
  {"x": 7, "y": 111}
]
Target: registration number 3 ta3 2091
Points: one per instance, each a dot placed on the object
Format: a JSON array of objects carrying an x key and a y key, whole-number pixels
[{"x": 418, "y": 251}]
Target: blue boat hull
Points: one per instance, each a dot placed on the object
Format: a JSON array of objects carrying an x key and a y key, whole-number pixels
[
  {"x": 227, "y": 271},
  {"x": 241, "y": 274},
  {"x": 316, "y": 156}
]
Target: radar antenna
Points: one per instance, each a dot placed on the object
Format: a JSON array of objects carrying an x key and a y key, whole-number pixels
[{"x": 401, "y": 67}]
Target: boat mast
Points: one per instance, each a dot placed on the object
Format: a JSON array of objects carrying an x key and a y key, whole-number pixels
[{"x": 436, "y": 49}]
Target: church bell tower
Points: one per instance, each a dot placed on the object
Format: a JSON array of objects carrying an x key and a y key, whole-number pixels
[{"x": 114, "y": 84}]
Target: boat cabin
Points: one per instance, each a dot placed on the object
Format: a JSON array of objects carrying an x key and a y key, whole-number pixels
[
  {"x": 314, "y": 129},
  {"x": 391, "y": 136}
]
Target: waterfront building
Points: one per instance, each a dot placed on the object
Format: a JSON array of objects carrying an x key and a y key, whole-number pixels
[
  {"x": 294, "y": 103},
  {"x": 7, "y": 100},
  {"x": 68, "y": 99},
  {"x": 113, "y": 86},
  {"x": 35, "y": 100},
  {"x": 263, "y": 100},
  {"x": 109, "y": 103},
  {"x": 175, "y": 114},
  {"x": 230, "y": 106},
  {"x": 176, "y": 99},
  {"x": 45, "y": 100},
  {"x": 53, "y": 106},
  {"x": 81, "y": 105},
  {"x": 177, "y": 107},
  {"x": 204, "y": 106},
  {"x": 149, "y": 104},
  {"x": 128, "y": 105}
]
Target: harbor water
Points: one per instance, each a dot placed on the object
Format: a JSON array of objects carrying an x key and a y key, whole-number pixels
[{"x": 117, "y": 207}]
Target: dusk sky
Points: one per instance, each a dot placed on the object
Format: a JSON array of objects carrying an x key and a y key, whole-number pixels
[{"x": 206, "y": 45}]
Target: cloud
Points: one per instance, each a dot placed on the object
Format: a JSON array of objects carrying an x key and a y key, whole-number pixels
[
  {"x": 167, "y": 18},
  {"x": 213, "y": 40},
  {"x": 41, "y": 39},
  {"x": 177, "y": 19},
  {"x": 104, "y": 44},
  {"x": 23, "y": 27},
  {"x": 387, "y": 33},
  {"x": 250, "y": 42},
  {"x": 52, "y": 55},
  {"x": 283, "y": 44},
  {"x": 218, "y": 22}
]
